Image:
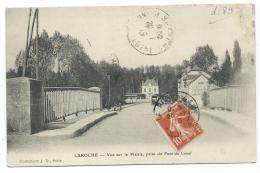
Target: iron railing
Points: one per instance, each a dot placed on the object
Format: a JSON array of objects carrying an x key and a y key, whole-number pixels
[{"x": 60, "y": 102}]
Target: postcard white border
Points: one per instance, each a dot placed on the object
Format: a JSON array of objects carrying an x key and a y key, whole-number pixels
[{"x": 194, "y": 168}]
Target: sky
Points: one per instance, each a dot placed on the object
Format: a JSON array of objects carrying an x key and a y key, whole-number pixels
[{"x": 105, "y": 29}]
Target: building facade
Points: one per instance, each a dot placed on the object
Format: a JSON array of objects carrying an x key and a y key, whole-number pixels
[
  {"x": 195, "y": 82},
  {"x": 150, "y": 87}
]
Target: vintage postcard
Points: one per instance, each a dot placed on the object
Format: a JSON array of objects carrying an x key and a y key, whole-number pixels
[{"x": 131, "y": 85}]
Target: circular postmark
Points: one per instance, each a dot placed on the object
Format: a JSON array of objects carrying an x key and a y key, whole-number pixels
[
  {"x": 150, "y": 32},
  {"x": 166, "y": 100}
]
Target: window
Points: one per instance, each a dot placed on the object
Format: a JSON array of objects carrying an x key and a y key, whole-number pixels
[
  {"x": 144, "y": 90},
  {"x": 150, "y": 90},
  {"x": 154, "y": 89}
]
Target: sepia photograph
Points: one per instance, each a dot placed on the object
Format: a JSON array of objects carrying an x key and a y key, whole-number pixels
[{"x": 123, "y": 85}]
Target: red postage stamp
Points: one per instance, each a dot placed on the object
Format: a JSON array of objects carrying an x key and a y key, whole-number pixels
[{"x": 179, "y": 125}]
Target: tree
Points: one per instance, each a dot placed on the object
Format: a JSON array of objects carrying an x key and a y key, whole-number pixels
[
  {"x": 19, "y": 62},
  {"x": 204, "y": 58},
  {"x": 11, "y": 73},
  {"x": 45, "y": 53},
  {"x": 216, "y": 77},
  {"x": 237, "y": 58},
  {"x": 223, "y": 75},
  {"x": 186, "y": 63},
  {"x": 168, "y": 79},
  {"x": 179, "y": 70},
  {"x": 63, "y": 62},
  {"x": 64, "y": 53},
  {"x": 226, "y": 69},
  {"x": 46, "y": 57}
]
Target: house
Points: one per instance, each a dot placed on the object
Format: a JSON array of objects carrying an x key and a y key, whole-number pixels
[
  {"x": 195, "y": 82},
  {"x": 149, "y": 88}
]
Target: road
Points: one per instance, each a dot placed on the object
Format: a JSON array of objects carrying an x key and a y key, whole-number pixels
[
  {"x": 135, "y": 125},
  {"x": 134, "y": 129}
]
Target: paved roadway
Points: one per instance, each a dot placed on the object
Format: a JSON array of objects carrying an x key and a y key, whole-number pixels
[
  {"x": 136, "y": 125},
  {"x": 133, "y": 129}
]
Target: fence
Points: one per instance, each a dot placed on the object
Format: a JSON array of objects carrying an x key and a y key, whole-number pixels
[
  {"x": 235, "y": 98},
  {"x": 61, "y": 102}
]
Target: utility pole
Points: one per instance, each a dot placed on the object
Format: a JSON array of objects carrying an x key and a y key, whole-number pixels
[
  {"x": 29, "y": 41},
  {"x": 123, "y": 91},
  {"x": 37, "y": 44},
  {"x": 26, "y": 45},
  {"x": 109, "y": 94}
]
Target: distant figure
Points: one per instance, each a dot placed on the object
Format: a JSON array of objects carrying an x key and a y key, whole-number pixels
[
  {"x": 114, "y": 106},
  {"x": 120, "y": 106},
  {"x": 108, "y": 106}
]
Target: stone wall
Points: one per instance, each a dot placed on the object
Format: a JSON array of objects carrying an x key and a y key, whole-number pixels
[{"x": 25, "y": 99}]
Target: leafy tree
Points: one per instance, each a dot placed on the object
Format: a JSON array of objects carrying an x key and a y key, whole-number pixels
[
  {"x": 46, "y": 61},
  {"x": 11, "y": 73},
  {"x": 64, "y": 62},
  {"x": 186, "y": 63},
  {"x": 19, "y": 62},
  {"x": 46, "y": 58},
  {"x": 168, "y": 79},
  {"x": 179, "y": 70},
  {"x": 226, "y": 69},
  {"x": 216, "y": 77},
  {"x": 204, "y": 58},
  {"x": 237, "y": 58},
  {"x": 58, "y": 51},
  {"x": 223, "y": 76}
]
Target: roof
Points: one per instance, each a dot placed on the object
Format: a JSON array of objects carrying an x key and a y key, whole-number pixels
[
  {"x": 191, "y": 78},
  {"x": 151, "y": 82},
  {"x": 196, "y": 68},
  {"x": 194, "y": 79}
]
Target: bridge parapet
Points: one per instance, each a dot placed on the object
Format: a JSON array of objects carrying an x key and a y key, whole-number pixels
[{"x": 60, "y": 102}]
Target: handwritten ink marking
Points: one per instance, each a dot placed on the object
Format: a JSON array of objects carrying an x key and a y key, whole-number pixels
[{"x": 221, "y": 12}]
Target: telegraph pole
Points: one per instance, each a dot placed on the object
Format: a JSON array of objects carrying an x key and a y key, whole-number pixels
[
  {"x": 29, "y": 42},
  {"x": 109, "y": 94},
  {"x": 26, "y": 46},
  {"x": 37, "y": 37}
]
